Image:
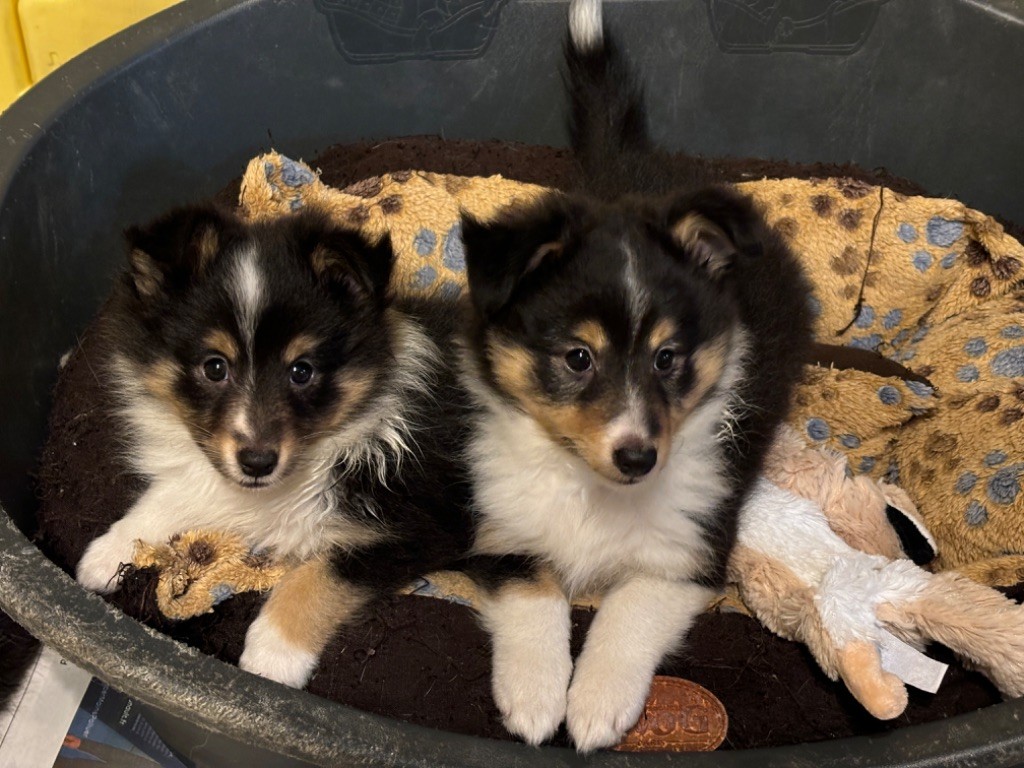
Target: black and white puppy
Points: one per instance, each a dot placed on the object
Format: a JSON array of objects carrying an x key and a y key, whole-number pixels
[
  {"x": 633, "y": 348},
  {"x": 267, "y": 384}
]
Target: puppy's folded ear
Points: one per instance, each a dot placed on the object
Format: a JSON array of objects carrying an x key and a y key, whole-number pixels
[
  {"x": 516, "y": 243},
  {"x": 716, "y": 227},
  {"x": 172, "y": 252},
  {"x": 350, "y": 261}
]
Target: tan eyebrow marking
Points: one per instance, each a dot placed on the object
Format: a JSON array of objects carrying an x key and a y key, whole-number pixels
[
  {"x": 298, "y": 347},
  {"x": 664, "y": 330},
  {"x": 592, "y": 334},
  {"x": 223, "y": 342}
]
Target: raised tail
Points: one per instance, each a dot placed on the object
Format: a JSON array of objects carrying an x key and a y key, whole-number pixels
[{"x": 608, "y": 123}]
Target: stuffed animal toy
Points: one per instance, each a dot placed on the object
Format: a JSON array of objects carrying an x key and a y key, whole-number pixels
[
  {"x": 199, "y": 569},
  {"x": 824, "y": 558}
]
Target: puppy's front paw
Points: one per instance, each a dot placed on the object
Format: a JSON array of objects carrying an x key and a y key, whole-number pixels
[
  {"x": 603, "y": 704},
  {"x": 268, "y": 654},
  {"x": 100, "y": 566},
  {"x": 531, "y": 692}
]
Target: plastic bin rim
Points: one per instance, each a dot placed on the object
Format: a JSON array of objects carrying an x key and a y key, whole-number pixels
[{"x": 219, "y": 697}]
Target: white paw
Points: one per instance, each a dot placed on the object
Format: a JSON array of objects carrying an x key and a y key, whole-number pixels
[
  {"x": 100, "y": 566},
  {"x": 530, "y": 692},
  {"x": 270, "y": 655},
  {"x": 603, "y": 704}
]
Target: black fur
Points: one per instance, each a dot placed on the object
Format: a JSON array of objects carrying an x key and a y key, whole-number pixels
[
  {"x": 627, "y": 192},
  {"x": 329, "y": 285},
  {"x": 18, "y": 650}
]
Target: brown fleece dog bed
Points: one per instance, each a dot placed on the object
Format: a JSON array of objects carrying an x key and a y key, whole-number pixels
[{"x": 423, "y": 660}]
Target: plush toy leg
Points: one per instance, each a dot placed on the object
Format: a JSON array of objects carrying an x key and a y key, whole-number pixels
[
  {"x": 881, "y": 693},
  {"x": 978, "y": 623},
  {"x": 783, "y": 603},
  {"x": 786, "y": 606}
]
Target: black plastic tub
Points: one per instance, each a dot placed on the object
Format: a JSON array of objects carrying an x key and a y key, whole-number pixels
[{"x": 171, "y": 110}]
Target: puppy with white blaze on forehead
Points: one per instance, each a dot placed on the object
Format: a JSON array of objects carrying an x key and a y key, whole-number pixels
[
  {"x": 268, "y": 384},
  {"x": 633, "y": 347}
]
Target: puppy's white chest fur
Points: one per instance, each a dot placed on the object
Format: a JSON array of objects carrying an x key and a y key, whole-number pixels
[
  {"x": 536, "y": 498},
  {"x": 293, "y": 518}
]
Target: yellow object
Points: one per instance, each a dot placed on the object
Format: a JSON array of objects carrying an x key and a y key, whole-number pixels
[
  {"x": 13, "y": 66},
  {"x": 55, "y": 31}
]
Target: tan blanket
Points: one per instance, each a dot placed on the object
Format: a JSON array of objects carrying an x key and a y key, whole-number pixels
[{"x": 926, "y": 282}]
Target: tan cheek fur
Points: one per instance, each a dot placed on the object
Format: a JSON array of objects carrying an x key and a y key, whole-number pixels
[
  {"x": 709, "y": 362},
  {"x": 159, "y": 380},
  {"x": 355, "y": 388},
  {"x": 582, "y": 430}
]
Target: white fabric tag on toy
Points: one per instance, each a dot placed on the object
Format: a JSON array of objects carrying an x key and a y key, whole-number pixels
[{"x": 909, "y": 664}]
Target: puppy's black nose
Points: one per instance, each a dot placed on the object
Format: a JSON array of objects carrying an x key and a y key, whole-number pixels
[
  {"x": 257, "y": 463},
  {"x": 635, "y": 460}
]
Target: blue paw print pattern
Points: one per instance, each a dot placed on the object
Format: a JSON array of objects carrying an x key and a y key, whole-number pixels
[
  {"x": 849, "y": 441},
  {"x": 426, "y": 587},
  {"x": 892, "y": 319},
  {"x": 889, "y": 395},
  {"x": 872, "y": 342},
  {"x": 220, "y": 593},
  {"x": 904, "y": 355},
  {"x": 943, "y": 232},
  {"x": 424, "y": 278},
  {"x": 995, "y": 458},
  {"x": 866, "y": 317},
  {"x": 1012, "y": 332},
  {"x": 1009, "y": 362},
  {"x": 818, "y": 429},
  {"x": 424, "y": 242},
  {"x": 920, "y": 389},
  {"x": 867, "y": 464},
  {"x": 975, "y": 514},
  {"x": 920, "y": 333},
  {"x": 967, "y": 373},
  {"x": 814, "y": 305},
  {"x": 906, "y": 232},
  {"x": 976, "y": 347},
  {"x": 454, "y": 257},
  {"x": 295, "y": 174},
  {"x": 965, "y": 483},
  {"x": 1004, "y": 486},
  {"x": 922, "y": 260},
  {"x": 449, "y": 290},
  {"x": 948, "y": 260}
]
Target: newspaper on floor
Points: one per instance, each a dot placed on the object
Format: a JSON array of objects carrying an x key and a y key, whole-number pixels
[{"x": 63, "y": 717}]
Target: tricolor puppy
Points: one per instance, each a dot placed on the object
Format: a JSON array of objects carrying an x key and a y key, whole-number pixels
[
  {"x": 633, "y": 348},
  {"x": 268, "y": 385}
]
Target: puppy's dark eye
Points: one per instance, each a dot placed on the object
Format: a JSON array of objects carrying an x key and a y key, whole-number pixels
[
  {"x": 215, "y": 369},
  {"x": 664, "y": 358},
  {"x": 300, "y": 373},
  {"x": 578, "y": 360}
]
